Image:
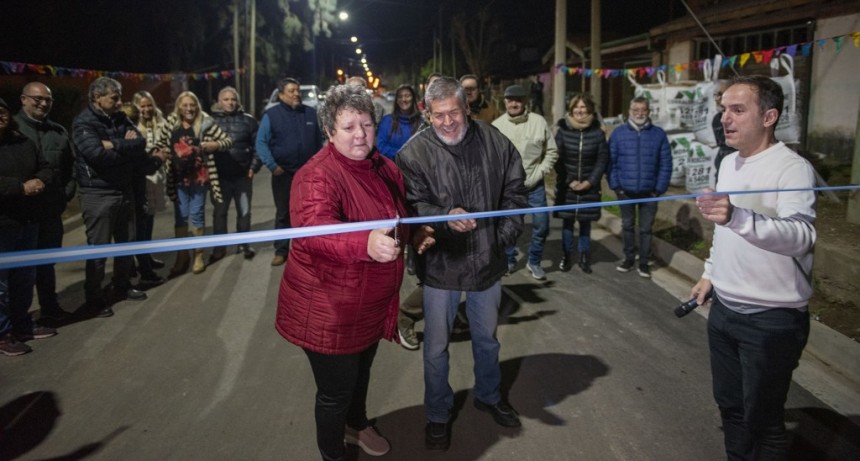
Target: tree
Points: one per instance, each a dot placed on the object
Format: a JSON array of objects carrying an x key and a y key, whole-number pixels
[{"x": 477, "y": 33}]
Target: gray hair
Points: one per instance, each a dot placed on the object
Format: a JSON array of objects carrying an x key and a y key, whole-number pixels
[
  {"x": 343, "y": 97},
  {"x": 444, "y": 88},
  {"x": 641, "y": 100},
  {"x": 230, "y": 89},
  {"x": 103, "y": 86}
]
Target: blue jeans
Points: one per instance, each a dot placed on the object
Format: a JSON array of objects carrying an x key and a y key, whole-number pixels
[
  {"x": 540, "y": 227},
  {"x": 190, "y": 204},
  {"x": 584, "y": 244},
  {"x": 752, "y": 359},
  {"x": 647, "y": 211},
  {"x": 16, "y": 285},
  {"x": 440, "y": 308}
]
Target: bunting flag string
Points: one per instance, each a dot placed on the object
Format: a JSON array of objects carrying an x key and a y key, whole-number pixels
[
  {"x": 18, "y": 68},
  {"x": 758, "y": 56}
]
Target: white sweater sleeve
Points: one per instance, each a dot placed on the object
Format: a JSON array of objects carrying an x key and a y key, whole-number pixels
[{"x": 792, "y": 231}]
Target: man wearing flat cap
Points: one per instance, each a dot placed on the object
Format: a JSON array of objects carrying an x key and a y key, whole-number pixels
[{"x": 531, "y": 136}]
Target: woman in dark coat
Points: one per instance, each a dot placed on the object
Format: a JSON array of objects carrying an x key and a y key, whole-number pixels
[{"x": 583, "y": 156}]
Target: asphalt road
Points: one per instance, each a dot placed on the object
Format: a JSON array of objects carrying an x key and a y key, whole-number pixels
[{"x": 597, "y": 366}]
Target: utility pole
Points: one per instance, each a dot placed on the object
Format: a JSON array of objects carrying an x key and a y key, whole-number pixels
[
  {"x": 596, "y": 61},
  {"x": 559, "y": 79},
  {"x": 252, "y": 71},
  {"x": 237, "y": 60}
]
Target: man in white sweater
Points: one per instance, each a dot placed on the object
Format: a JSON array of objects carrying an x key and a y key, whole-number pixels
[
  {"x": 535, "y": 143},
  {"x": 759, "y": 270}
]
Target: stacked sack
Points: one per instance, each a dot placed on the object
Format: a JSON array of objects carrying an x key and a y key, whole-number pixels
[{"x": 686, "y": 110}]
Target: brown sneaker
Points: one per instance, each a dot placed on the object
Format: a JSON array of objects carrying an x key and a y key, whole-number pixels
[
  {"x": 278, "y": 260},
  {"x": 38, "y": 332},
  {"x": 368, "y": 439},
  {"x": 9, "y": 345}
]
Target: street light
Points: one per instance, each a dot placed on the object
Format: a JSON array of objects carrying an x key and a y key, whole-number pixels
[
  {"x": 358, "y": 51},
  {"x": 353, "y": 39},
  {"x": 343, "y": 15}
]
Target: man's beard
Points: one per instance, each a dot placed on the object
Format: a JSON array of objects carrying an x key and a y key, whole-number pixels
[{"x": 458, "y": 137}]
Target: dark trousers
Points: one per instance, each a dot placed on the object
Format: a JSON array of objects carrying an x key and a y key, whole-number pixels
[
  {"x": 50, "y": 236},
  {"x": 752, "y": 358},
  {"x": 16, "y": 285},
  {"x": 237, "y": 190},
  {"x": 108, "y": 218},
  {"x": 341, "y": 399},
  {"x": 647, "y": 211},
  {"x": 281, "y": 192},
  {"x": 143, "y": 225}
]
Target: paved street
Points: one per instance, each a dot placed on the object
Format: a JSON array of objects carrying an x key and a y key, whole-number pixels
[{"x": 597, "y": 366}]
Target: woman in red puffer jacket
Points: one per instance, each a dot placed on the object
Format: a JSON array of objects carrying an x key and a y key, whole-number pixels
[{"x": 339, "y": 292}]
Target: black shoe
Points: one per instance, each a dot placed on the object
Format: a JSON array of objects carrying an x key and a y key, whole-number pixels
[
  {"x": 436, "y": 436},
  {"x": 99, "y": 309},
  {"x": 584, "y": 264},
  {"x": 566, "y": 262},
  {"x": 625, "y": 266},
  {"x": 502, "y": 413},
  {"x": 248, "y": 252},
  {"x": 217, "y": 255},
  {"x": 156, "y": 263},
  {"x": 151, "y": 279},
  {"x": 131, "y": 294}
]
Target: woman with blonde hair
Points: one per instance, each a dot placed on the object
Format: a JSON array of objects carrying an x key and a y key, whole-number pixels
[{"x": 192, "y": 137}]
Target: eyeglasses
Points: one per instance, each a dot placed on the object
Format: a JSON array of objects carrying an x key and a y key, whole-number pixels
[
  {"x": 40, "y": 99},
  {"x": 455, "y": 114},
  {"x": 470, "y": 89}
]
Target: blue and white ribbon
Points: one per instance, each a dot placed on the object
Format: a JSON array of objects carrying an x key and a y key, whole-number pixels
[{"x": 60, "y": 255}]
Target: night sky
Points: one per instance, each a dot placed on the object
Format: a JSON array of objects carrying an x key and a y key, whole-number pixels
[{"x": 134, "y": 35}]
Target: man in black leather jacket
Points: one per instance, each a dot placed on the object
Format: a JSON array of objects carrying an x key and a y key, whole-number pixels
[
  {"x": 236, "y": 168},
  {"x": 457, "y": 166}
]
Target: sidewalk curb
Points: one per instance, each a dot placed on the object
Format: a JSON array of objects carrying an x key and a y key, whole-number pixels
[{"x": 838, "y": 353}]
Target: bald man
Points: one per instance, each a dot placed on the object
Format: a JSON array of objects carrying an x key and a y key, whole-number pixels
[{"x": 55, "y": 145}]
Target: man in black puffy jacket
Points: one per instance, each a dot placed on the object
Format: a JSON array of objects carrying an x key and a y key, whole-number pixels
[
  {"x": 236, "y": 168},
  {"x": 111, "y": 153},
  {"x": 55, "y": 146}
]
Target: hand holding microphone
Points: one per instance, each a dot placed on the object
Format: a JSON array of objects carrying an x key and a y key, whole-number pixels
[{"x": 688, "y": 306}]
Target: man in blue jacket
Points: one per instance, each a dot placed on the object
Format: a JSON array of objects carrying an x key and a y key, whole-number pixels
[
  {"x": 640, "y": 167},
  {"x": 289, "y": 135}
]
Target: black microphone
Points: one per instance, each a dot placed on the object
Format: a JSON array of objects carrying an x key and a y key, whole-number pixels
[{"x": 688, "y": 306}]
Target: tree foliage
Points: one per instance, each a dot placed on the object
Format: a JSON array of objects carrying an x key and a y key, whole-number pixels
[{"x": 477, "y": 32}]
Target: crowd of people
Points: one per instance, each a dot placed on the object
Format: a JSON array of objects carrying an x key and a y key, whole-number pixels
[{"x": 451, "y": 153}]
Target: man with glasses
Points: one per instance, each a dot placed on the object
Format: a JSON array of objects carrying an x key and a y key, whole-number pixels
[
  {"x": 54, "y": 144},
  {"x": 461, "y": 166},
  {"x": 479, "y": 108},
  {"x": 640, "y": 167}
]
